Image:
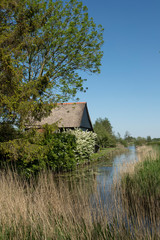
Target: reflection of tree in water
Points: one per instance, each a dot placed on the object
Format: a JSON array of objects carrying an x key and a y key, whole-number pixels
[
  {"x": 89, "y": 180},
  {"x": 92, "y": 188},
  {"x": 97, "y": 176}
]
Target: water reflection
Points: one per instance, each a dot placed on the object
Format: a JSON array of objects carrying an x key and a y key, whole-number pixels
[
  {"x": 108, "y": 174},
  {"x": 105, "y": 179},
  {"x": 102, "y": 175}
]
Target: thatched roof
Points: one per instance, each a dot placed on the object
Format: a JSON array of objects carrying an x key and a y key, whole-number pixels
[{"x": 68, "y": 115}]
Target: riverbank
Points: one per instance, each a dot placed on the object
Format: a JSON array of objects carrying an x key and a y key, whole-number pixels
[
  {"x": 140, "y": 188},
  {"x": 49, "y": 209},
  {"x": 107, "y": 153}
]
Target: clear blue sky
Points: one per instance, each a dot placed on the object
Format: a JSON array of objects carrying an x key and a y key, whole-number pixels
[{"x": 127, "y": 91}]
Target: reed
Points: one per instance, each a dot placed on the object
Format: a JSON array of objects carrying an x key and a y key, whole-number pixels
[
  {"x": 140, "y": 190},
  {"x": 49, "y": 208}
]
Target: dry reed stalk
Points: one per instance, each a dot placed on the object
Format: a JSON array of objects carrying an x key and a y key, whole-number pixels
[
  {"x": 143, "y": 152},
  {"x": 142, "y": 226},
  {"x": 43, "y": 205},
  {"x": 48, "y": 209}
]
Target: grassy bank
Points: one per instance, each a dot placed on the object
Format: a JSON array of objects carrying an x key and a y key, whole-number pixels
[
  {"x": 140, "y": 187},
  {"x": 107, "y": 153}
]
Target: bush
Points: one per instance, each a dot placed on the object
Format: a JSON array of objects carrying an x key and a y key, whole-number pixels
[
  {"x": 37, "y": 151},
  {"x": 57, "y": 151},
  {"x": 61, "y": 151},
  {"x": 27, "y": 158},
  {"x": 85, "y": 144}
]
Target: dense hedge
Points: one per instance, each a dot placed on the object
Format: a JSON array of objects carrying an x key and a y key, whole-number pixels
[
  {"x": 57, "y": 151},
  {"x": 61, "y": 152},
  {"x": 36, "y": 151}
]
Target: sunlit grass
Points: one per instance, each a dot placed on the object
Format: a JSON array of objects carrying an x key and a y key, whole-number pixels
[
  {"x": 107, "y": 153},
  {"x": 140, "y": 188},
  {"x": 49, "y": 208}
]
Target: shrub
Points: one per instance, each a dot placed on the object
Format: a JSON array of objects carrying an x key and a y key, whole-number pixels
[
  {"x": 85, "y": 144},
  {"x": 61, "y": 151},
  {"x": 27, "y": 158},
  {"x": 37, "y": 151},
  {"x": 105, "y": 136},
  {"x": 57, "y": 151}
]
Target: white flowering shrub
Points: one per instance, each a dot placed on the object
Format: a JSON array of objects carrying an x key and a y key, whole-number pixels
[{"x": 86, "y": 141}]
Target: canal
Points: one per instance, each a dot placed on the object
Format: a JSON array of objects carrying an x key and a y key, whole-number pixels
[{"x": 101, "y": 177}]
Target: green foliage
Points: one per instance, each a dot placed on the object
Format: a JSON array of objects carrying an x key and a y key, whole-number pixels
[
  {"x": 49, "y": 149},
  {"x": 49, "y": 130},
  {"x": 44, "y": 45},
  {"x": 37, "y": 151},
  {"x": 61, "y": 151},
  {"x": 142, "y": 189},
  {"x": 140, "y": 141},
  {"x": 85, "y": 144},
  {"x": 26, "y": 157},
  {"x": 121, "y": 141},
  {"x": 129, "y": 139},
  {"x": 103, "y": 129},
  {"x": 149, "y": 139},
  {"x": 8, "y": 132}
]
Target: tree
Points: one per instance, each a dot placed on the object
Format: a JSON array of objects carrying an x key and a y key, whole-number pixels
[
  {"x": 103, "y": 129},
  {"x": 127, "y": 135},
  {"x": 44, "y": 46},
  {"x": 140, "y": 141},
  {"x": 149, "y": 139}
]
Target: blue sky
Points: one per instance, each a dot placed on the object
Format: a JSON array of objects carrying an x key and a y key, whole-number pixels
[{"x": 127, "y": 91}]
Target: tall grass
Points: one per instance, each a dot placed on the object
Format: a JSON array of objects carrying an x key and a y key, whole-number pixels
[
  {"x": 140, "y": 189},
  {"x": 49, "y": 208},
  {"x": 45, "y": 209}
]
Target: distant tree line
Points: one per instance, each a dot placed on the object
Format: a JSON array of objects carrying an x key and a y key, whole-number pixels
[{"x": 107, "y": 138}]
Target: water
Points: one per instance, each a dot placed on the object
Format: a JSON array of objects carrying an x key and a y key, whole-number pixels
[
  {"x": 108, "y": 173},
  {"x": 101, "y": 177},
  {"x": 103, "y": 174}
]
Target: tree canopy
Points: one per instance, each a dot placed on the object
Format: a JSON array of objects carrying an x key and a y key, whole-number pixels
[
  {"x": 105, "y": 136},
  {"x": 44, "y": 46}
]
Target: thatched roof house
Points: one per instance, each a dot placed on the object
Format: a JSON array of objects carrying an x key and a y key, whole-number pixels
[{"x": 68, "y": 116}]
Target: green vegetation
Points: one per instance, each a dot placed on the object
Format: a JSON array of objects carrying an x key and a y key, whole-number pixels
[
  {"x": 44, "y": 47},
  {"x": 105, "y": 136},
  {"x": 85, "y": 146},
  {"x": 57, "y": 151},
  {"x": 141, "y": 189},
  {"x": 51, "y": 43},
  {"x": 108, "y": 153},
  {"x": 8, "y": 132},
  {"x": 139, "y": 141}
]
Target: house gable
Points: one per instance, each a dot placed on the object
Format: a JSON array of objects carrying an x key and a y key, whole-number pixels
[
  {"x": 85, "y": 121},
  {"x": 67, "y": 115}
]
